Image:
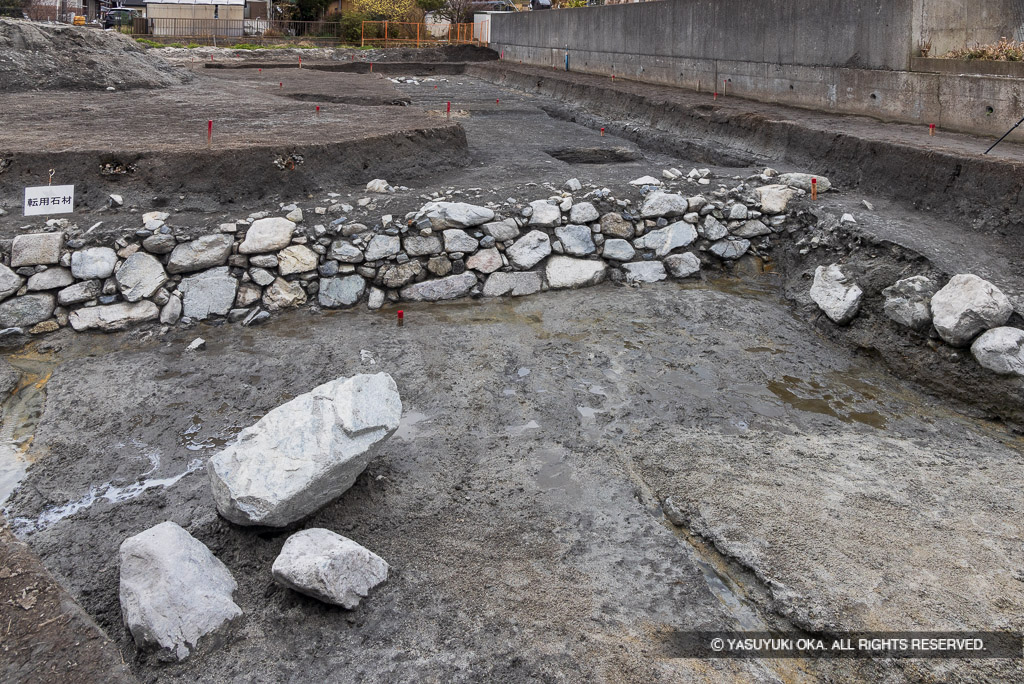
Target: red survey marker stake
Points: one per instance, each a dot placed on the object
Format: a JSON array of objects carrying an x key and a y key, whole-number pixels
[
  {"x": 814, "y": 188},
  {"x": 401, "y": 318},
  {"x": 209, "y": 132}
]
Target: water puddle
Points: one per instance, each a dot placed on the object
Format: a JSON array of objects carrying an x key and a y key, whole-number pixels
[
  {"x": 191, "y": 439},
  {"x": 554, "y": 473},
  {"x": 108, "y": 492},
  {"x": 407, "y": 427},
  {"x": 839, "y": 395},
  {"x": 22, "y": 411},
  {"x": 517, "y": 430}
]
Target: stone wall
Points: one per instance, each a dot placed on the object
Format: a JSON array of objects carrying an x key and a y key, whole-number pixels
[{"x": 447, "y": 249}]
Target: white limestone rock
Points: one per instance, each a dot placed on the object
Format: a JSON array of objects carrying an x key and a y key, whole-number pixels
[
  {"x": 682, "y": 265},
  {"x": 908, "y": 302},
  {"x": 267, "y": 235},
  {"x": 802, "y": 181},
  {"x": 836, "y": 294},
  {"x": 545, "y": 214},
  {"x": 140, "y": 276},
  {"x": 775, "y": 198},
  {"x": 644, "y": 272},
  {"x": 566, "y": 272},
  {"x": 173, "y": 591},
  {"x": 529, "y": 250},
  {"x": 210, "y": 293},
  {"x": 664, "y": 240},
  {"x": 450, "y": 287},
  {"x": 576, "y": 240},
  {"x": 1001, "y": 350},
  {"x": 659, "y": 204},
  {"x": 444, "y": 215},
  {"x": 583, "y": 212},
  {"x": 515, "y": 284},
  {"x": 305, "y": 453},
  {"x": 329, "y": 567},
  {"x": 93, "y": 262},
  {"x": 967, "y": 306},
  {"x": 203, "y": 252}
]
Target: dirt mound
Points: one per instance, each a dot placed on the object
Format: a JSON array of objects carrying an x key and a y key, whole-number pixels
[{"x": 46, "y": 57}]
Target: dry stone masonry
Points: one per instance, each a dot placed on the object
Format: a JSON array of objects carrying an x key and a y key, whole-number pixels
[{"x": 445, "y": 250}]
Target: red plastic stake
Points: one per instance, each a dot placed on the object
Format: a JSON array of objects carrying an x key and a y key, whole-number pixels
[
  {"x": 261, "y": 71},
  {"x": 931, "y": 129},
  {"x": 716, "y": 95},
  {"x": 209, "y": 132},
  {"x": 371, "y": 67},
  {"x": 318, "y": 110},
  {"x": 449, "y": 111},
  {"x": 401, "y": 318},
  {"x": 281, "y": 85},
  {"x": 300, "y": 62},
  {"x": 602, "y": 131},
  {"x": 814, "y": 188},
  {"x": 497, "y": 102}
]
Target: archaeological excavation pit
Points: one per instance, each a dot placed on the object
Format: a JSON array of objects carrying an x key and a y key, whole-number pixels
[{"x": 584, "y": 370}]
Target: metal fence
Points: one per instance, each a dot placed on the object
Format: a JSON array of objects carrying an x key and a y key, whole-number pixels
[
  {"x": 256, "y": 31},
  {"x": 405, "y": 34}
]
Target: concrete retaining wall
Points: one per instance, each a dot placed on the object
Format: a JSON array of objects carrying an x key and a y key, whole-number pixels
[
  {"x": 952, "y": 24},
  {"x": 830, "y": 55}
]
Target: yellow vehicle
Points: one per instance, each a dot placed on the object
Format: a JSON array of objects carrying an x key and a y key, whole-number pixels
[{"x": 79, "y": 20}]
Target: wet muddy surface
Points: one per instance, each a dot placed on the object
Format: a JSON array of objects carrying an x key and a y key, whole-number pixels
[{"x": 519, "y": 501}]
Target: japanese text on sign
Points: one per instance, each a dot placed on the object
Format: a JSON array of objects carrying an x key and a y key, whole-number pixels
[{"x": 49, "y": 199}]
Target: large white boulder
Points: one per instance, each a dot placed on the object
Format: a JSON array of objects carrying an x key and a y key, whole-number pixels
[
  {"x": 305, "y": 453},
  {"x": 173, "y": 591},
  {"x": 836, "y": 294},
  {"x": 328, "y": 567},
  {"x": 1001, "y": 350},
  {"x": 967, "y": 306}
]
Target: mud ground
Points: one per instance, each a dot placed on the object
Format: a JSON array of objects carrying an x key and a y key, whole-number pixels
[{"x": 520, "y": 504}]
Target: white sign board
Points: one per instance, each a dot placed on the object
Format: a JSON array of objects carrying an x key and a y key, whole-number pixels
[{"x": 49, "y": 199}]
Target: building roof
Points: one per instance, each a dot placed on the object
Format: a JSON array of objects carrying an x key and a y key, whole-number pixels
[{"x": 194, "y": 2}]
